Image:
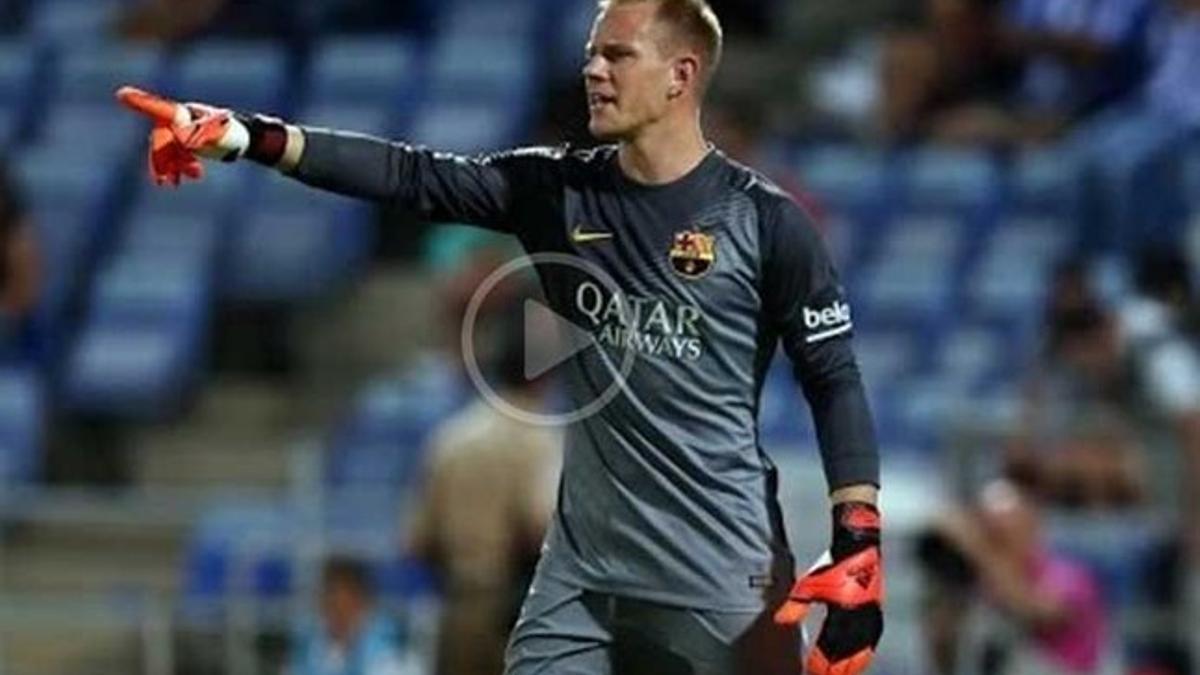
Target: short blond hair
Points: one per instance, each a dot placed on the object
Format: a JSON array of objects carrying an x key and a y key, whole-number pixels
[{"x": 693, "y": 21}]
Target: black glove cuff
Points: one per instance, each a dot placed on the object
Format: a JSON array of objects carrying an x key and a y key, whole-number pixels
[
  {"x": 856, "y": 527},
  {"x": 268, "y": 138}
]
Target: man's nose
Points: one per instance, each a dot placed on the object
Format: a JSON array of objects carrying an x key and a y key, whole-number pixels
[{"x": 593, "y": 69}]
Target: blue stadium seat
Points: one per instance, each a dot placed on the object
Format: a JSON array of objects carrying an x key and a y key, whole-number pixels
[
  {"x": 72, "y": 22},
  {"x": 847, "y": 179},
  {"x": 923, "y": 408},
  {"x": 150, "y": 287},
  {"x": 94, "y": 129},
  {"x": 478, "y": 68},
  {"x": 467, "y": 128},
  {"x": 133, "y": 371},
  {"x": 254, "y": 547},
  {"x": 17, "y": 68},
  {"x": 22, "y": 425},
  {"x": 884, "y": 356},
  {"x": 66, "y": 239},
  {"x": 912, "y": 274},
  {"x": 374, "y": 120},
  {"x": 91, "y": 74},
  {"x": 249, "y": 76},
  {"x": 1010, "y": 277},
  {"x": 88, "y": 186},
  {"x": 224, "y": 189},
  {"x": 176, "y": 236},
  {"x": 376, "y": 71},
  {"x": 1048, "y": 181},
  {"x": 282, "y": 256},
  {"x": 971, "y": 354},
  {"x": 949, "y": 179},
  {"x": 844, "y": 238},
  {"x": 8, "y": 128},
  {"x": 1191, "y": 178},
  {"x": 142, "y": 347},
  {"x": 230, "y": 536},
  {"x": 381, "y": 440},
  {"x": 484, "y": 18}
]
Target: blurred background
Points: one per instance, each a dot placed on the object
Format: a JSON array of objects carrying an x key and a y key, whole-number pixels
[{"x": 235, "y": 435}]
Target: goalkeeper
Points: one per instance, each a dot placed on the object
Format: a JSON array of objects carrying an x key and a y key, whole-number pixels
[{"x": 667, "y": 552}]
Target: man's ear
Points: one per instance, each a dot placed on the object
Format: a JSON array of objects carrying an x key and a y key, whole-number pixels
[{"x": 684, "y": 74}]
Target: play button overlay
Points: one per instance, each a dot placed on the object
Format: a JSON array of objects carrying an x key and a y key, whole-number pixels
[
  {"x": 550, "y": 340},
  {"x": 542, "y": 358}
]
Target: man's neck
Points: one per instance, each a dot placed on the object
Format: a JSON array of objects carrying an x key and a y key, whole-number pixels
[{"x": 663, "y": 153}]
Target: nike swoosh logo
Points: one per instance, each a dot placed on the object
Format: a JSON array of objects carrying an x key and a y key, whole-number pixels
[{"x": 580, "y": 237}]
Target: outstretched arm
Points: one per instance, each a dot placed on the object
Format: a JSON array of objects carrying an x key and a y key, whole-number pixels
[{"x": 483, "y": 190}]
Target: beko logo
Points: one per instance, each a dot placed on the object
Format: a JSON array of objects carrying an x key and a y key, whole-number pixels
[{"x": 829, "y": 321}]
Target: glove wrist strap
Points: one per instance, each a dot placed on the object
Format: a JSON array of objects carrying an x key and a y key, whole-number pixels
[
  {"x": 856, "y": 526},
  {"x": 268, "y": 139}
]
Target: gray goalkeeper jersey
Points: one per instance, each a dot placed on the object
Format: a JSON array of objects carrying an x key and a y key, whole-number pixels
[{"x": 666, "y": 494}]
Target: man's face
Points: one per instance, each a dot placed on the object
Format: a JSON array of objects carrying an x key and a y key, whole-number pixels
[
  {"x": 344, "y": 608},
  {"x": 628, "y": 77}
]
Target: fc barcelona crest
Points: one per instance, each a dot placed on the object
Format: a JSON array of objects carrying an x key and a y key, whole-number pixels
[{"x": 693, "y": 253}]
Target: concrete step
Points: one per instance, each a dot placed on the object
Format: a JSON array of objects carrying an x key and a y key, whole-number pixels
[
  {"x": 54, "y": 647},
  {"x": 238, "y": 435},
  {"x": 171, "y": 459},
  {"x": 237, "y": 403},
  {"x": 92, "y": 558}
]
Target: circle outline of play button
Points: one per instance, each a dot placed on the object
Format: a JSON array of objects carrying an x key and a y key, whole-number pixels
[{"x": 490, "y": 394}]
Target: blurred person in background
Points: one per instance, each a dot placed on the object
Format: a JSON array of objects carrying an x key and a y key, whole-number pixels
[
  {"x": 1134, "y": 366},
  {"x": 1070, "y": 446},
  {"x": 19, "y": 275},
  {"x": 166, "y": 21},
  {"x": 1128, "y": 372},
  {"x": 351, "y": 637},
  {"x": 951, "y": 62},
  {"x": 1019, "y": 608},
  {"x": 1156, "y": 321},
  {"x": 174, "y": 21},
  {"x": 487, "y": 498},
  {"x": 1011, "y": 71}
]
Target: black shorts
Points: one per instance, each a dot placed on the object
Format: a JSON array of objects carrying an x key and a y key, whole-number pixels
[{"x": 569, "y": 631}]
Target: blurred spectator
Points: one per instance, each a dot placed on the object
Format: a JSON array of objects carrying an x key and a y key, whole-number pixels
[
  {"x": 351, "y": 638},
  {"x": 951, "y": 63},
  {"x": 488, "y": 497},
  {"x": 171, "y": 21},
  {"x": 1020, "y": 608},
  {"x": 19, "y": 274},
  {"x": 1133, "y": 368},
  {"x": 1156, "y": 321},
  {"x": 1075, "y": 446},
  {"x": 1011, "y": 71},
  {"x": 1132, "y": 150},
  {"x": 1174, "y": 84},
  {"x": 167, "y": 21}
]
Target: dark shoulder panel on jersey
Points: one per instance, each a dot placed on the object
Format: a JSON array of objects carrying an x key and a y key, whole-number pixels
[
  {"x": 488, "y": 190},
  {"x": 806, "y": 307}
]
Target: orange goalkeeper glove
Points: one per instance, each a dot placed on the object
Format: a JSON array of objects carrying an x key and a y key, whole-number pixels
[
  {"x": 849, "y": 581},
  {"x": 183, "y": 132}
]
